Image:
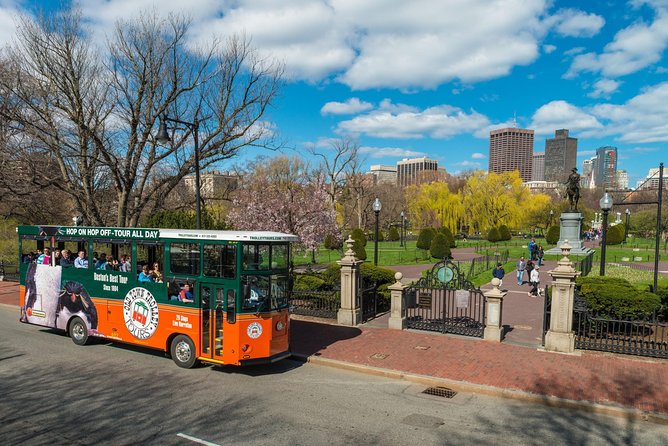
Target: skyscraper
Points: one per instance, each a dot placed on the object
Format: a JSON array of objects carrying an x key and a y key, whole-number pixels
[
  {"x": 560, "y": 156},
  {"x": 538, "y": 167},
  {"x": 416, "y": 171},
  {"x": 606, "y": 167},
  {"x": 511, "y": 149},
  {"x": 588, "y": 179}
]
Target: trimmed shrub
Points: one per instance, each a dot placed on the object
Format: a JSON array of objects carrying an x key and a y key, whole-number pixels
[
  {"x": 504, "y": 233},
  {"x": 381, "y": 236},
  {"x": 371, "y": 273},
  {"x": 332, "y": 242},
  {"x": 393, "y": 235},
  {"x": 439, "y": 248},
  {"x": 615, "y": 297},
  {"x": 308, "y": 282},
  {"x": 493, "y": 235},
  {"x": 552, "y": 235},
  {"x": 615, "y": 235},
  {"x": 358, "y": 248},
  {"x": 358, "y": 234},
  {"x": 448, "y": 236},
  {"x": 424, "y": 238}
]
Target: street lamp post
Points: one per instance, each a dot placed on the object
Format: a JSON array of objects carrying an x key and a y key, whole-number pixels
[
  {"x": 551, "y": 216},
  {"x": 401, "y": 234},
  {"x": 376, "y": 210},
  {"x": 605, "y": 204},
  {"x": 163, "y": 138},
  {"x": 626, "y": 226}
]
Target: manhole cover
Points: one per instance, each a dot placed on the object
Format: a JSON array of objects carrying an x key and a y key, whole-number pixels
[
  {"x": 443, "y": 392},
  {"x": 379, "y": 356}
]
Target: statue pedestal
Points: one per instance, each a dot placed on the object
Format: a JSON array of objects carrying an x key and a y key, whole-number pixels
[{"x": 570, "y": 229}]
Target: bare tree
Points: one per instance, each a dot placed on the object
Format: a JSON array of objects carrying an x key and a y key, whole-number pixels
[
  {"x": 338, "y": 164},
  {"x": 93, "y": 114}
]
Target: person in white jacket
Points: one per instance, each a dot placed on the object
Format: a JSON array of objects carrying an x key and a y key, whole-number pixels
[{"x": 535, "y": 282}]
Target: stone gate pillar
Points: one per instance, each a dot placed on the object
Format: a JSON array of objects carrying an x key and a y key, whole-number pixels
[
  {"x": 349, "y": 313},
  {"x": 494, "y": 312},
  {"x": 560, "y": 336},
  {"x": 397, "y": 319}
]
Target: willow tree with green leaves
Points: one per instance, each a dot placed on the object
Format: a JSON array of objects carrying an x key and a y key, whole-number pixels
[
  {"x": 492, "y": 199},
  {"x": 434, "y": 205}
]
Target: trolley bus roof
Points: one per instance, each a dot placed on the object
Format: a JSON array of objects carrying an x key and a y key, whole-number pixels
[{"x": 155, "y": 233}]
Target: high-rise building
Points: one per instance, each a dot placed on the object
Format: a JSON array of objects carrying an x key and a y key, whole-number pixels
[
  {"x": 588, "y": 177},
  {"x": 416, "y": 171},
  {"x": 606, "y": 167},
  {"x": 383, "y": 174},
  {"x": 511, "y": 149},
  {"x": 622, "y": 179},
  {"x": 213, "y": 185},
  {"x": 651, "y": 181},
  {"x": 538, "y": 167},
  {"x": 560, "y": 156}
]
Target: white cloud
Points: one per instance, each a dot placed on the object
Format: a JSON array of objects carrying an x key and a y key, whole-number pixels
[
  {"x": 576, "y": 23},
  {"x": 392, "y": 121},
  {"x": 604, "y": 88},
  {"x": 8, "y": 13},
  {"x": 478, "y": 156},
  {"x": 562, "y": 115},
  {"x": 351, "y": 106},
  {"x": 382, "y": 152},
  {"x": 549, "y": 49},
  {"x": 467, "y": 164},
  {"x": 640, "y": 120},
  {"x": 633, "y": 48}
]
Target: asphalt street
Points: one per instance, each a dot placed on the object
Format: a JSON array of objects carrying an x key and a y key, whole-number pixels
[{"x": 54, "y": 392}]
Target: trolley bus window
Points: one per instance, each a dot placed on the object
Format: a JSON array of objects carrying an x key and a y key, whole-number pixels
[
  {"x": 256, "y": 257},
  {"x": 220, "y": 261},
  {"x": 184, "y": 258},
  {"x": 231, "y": 305},
  {"x": 279, "y": 256},
  {"x": 149, "y": 254},
  {"x": 264, "y": 293}
]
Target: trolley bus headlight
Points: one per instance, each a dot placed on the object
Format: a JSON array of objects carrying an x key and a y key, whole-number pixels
[{"x": 280, "y": 326}]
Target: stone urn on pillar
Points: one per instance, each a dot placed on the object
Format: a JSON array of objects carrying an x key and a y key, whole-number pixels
[
  {"x": 560, "y": 336},
  {"x": 349, "y": 313}
]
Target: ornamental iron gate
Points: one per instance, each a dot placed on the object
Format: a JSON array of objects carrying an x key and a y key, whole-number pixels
[
  {"x": 371, "y": 302},
  {"x": 446, "y": 302}
]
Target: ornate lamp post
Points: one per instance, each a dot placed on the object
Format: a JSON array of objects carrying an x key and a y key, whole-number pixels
[
  {"x": 163, "y": 138},
  {"x": 401, "y": 234},
  {"x": 551, "y": 216},
  {"x": 626, "y": 226},
  {"x": 376, "y": 210},
  {"x": 606, "y": 204}
]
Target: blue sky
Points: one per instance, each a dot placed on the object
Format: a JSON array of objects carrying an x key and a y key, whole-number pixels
[{"x": 433, "y": 77}]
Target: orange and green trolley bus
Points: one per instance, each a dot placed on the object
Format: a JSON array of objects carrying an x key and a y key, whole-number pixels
[{"x": 214, "y": 296}]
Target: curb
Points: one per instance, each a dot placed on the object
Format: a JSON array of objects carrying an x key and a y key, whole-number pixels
[{"x": 463, "y": 386}]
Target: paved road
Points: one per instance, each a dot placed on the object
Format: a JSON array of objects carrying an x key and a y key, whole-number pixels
[{"x": 54, "y": 392}]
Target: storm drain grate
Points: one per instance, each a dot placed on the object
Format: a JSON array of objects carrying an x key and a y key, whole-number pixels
[{"x": 443, "y": 392}]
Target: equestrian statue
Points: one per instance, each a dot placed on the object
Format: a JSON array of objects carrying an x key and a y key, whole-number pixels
[{"x": 573, "y": 189}]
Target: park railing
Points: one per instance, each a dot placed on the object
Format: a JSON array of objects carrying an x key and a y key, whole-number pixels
[
  {"x": 9, "y": 272},
  {"x": 484, "y": 263},
  {"x": 324, "y": 304},
  {"x": 584, "y": 264},
  {"x": 643, "y": 335}
]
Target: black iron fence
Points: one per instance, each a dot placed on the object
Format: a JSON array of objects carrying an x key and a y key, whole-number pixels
[
  {"x": 323, "y": 304},
  {"x": 445, "y": 301},
  {"x": 584, "y": 264},
  {"x": 9, "y": 271},
  {"x": 484, "y": 263},
  {"x": 372, "y": 301},
  {"x": 644, "y": 335}
]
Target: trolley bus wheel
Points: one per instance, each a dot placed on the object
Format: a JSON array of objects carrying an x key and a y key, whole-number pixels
[
  {"x": 78, "y": 331},
  {"x": 183, "y": 352}
]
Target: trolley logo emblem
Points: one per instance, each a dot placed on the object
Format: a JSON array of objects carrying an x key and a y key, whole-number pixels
[
  {"x": 254, "y": 330},
  {"x": 140, "y": 311}
]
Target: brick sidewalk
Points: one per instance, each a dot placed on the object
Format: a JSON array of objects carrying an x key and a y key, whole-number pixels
[{"x": 595, "y": 378}]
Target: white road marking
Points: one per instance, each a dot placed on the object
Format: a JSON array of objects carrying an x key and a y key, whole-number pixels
[{"x": 196, "y": 440}]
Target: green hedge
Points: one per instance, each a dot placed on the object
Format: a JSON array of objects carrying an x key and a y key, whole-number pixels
[
  {"x": 615, "y": 297},
  {"x": 440, "y": 248},
  {"x": 615, "y": 235},
  {"x": 425, "y": 238},
  {"x": 494, "y": 235},
  {"x": 504, "y": 233},
  {"x": 308, "y": 282}
]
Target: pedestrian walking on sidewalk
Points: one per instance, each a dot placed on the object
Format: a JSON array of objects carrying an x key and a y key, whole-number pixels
[
  {"x": 540, "y": 252},
  {"x": 535, "y": 282},
  {"x": 521, "y": 266},
  {"x": 499, "y": 272}
]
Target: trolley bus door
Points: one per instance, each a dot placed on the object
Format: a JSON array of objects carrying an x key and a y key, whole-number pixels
[{"x": 215, "y": 318}]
